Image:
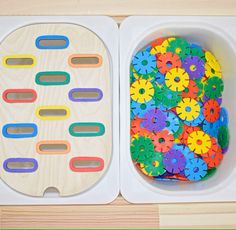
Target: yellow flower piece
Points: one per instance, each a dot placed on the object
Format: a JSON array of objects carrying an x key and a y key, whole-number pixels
[
  {"x": 211, "y": 72},
  {"x": 211, "y": 60},
  {"x": 177, "y": 79},
  {"x": 199, "y": 142},
  {"x": 161, "y": 48},
  {"x": 141, "y": 91},
  {"x": 188, "y": 109}
]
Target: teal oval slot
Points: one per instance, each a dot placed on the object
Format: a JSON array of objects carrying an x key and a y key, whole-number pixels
[
  {"x": 52, "y": 78},
  {"x": 86, "y": 129}
]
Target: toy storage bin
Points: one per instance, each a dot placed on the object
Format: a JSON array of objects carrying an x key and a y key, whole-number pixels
[
  {"x": 216, "y": 34},
  {"x": 62, "y": 118}
]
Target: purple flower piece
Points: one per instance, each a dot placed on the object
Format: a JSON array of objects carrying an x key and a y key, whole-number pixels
[
  {"x": 194, "y": 66},
  {"x": 174, "y": 161},
  {"x": 154, "y": 120}
]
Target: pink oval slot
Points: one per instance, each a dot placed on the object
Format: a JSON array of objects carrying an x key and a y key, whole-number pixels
[
  {"x": 86, "y": 164},
  {"x": 19, "y": 95}
]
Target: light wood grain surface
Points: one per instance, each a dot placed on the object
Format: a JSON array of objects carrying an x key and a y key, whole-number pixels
[
  {"x": 120, "y": 213},
  {"x": 66, "y": 181}
]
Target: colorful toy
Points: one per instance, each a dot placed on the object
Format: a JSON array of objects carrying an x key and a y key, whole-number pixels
[{"x": 179, "y": 131}]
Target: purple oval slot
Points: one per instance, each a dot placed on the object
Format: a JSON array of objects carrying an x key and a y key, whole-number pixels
[
  {"x": 85, "y": 94},
  {"x": 20, "y": 165}
]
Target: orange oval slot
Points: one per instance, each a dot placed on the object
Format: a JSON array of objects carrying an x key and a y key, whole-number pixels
[
  {"x": 53, "y": 147},
  {"x": 19, "y": 95},
  {"x": 85, "y": 60}
]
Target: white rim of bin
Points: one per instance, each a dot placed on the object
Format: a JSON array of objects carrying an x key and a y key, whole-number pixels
[
  {"x": 107, "y": 189},
  {"x": 133, "y": 30}
]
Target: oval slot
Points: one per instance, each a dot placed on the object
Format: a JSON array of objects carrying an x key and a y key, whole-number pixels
[
  {"x": 52, "y": 112},
  {"x": 52, "y": 78},
  {"x": 86, "y": 164},
  {"x": 85, "y": 94},
  {"x": 20, "y": 165},
  {"x": 52, "y": 42},
  {"x": 86, "y": 129},
  {"x": 19, "y": 95},
  {"x": 85, "y": 60},
  {"x": 19, "y": 61},
  {"x": 53, "y": 147},
  {"x": 20, "y": 130}
]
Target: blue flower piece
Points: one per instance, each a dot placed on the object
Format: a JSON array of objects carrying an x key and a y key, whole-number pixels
[
  {"x": 172, "y": 122},
  {"x": 144, "y": 62},
  {"x": 188, "y": 154},
  {"x": 211, "y": 128},
  {"x": 160, "y": 78},
  {"x": 195, "y": 169},
  {"x": 139, "y": 109},
  {"x": 148, "y": 48},
  {"x": 224, "y": 118}
]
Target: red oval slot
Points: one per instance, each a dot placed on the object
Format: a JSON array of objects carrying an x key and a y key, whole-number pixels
[
  {"x": 19, "y": 95},
  {"x": 86, "y": 164}
]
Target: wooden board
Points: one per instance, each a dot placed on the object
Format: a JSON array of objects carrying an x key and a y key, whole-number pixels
[{"x": 53, "y": 169}]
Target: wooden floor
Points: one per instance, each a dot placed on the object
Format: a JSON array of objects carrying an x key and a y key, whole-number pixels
[{"x": 119, "y": 214}]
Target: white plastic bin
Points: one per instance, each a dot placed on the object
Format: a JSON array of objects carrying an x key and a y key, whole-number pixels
[{"x": 216, "y": 34}]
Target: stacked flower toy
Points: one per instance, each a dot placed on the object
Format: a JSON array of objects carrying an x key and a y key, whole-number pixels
[{"x": 179, "y": 131}]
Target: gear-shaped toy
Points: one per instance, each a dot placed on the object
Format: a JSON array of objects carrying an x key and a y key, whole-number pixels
[
  {"x": 177, "y": 79},
  {"x": 188, "y": 109},
  {"x": 141, "y": 91},
  {"x": 194, "y": 66},
  {"x": 163, "y": 141},
  {"x": 144, "y": 62},
  {"x": 168, "y": 61},
  {"x": 154, "y": 120},
  {"x": 141, "y": 149},
  {"x": 214, "y": 87},
  {"x": 174, "y": 161},
  {"x": 195, "y": 169},
  {"x": 211, "y": 110},
  {"x": 179, "y": 46},
  {"x": 154, "y": 165},
  {"x": 199, "y": 142}
]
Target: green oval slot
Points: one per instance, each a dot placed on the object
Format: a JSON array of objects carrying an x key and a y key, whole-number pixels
[
  {"x": 87, "y": 129},
  {"x": 52, "y": 78}
]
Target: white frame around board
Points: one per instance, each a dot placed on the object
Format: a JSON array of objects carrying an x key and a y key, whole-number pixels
[{"x": 106, "y": 189}]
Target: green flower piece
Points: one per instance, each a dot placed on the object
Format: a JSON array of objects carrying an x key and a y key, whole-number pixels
[
  {"x": 210, "y": 173},
  {"x": 223, "y": 137},
  {"x": 179, "y": 46},
  {"x": 150, "y": 76},
  {"x": 141, "y": 149},
  {"x": 131, "y": 74},
  {"x": 196, "y": 51},
  {"x": 166, "y": 97},
  {"x": 154, "y": 166},
  {"x": 200, "y": 86},
  {"x": 214, "y": 87},
  {"x": 180, "y": 130}
]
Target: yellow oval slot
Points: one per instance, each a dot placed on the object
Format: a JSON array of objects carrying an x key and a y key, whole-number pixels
[
  {"x": 19, "y": 61},
  {"x": 53, "y": 112}
]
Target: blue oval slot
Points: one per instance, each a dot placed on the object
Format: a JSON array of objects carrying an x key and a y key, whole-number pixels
[
  {"x": 52, "y": 42},
  {"x": 20, "y": 130},
  {"x": 20, "y": 165}
]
